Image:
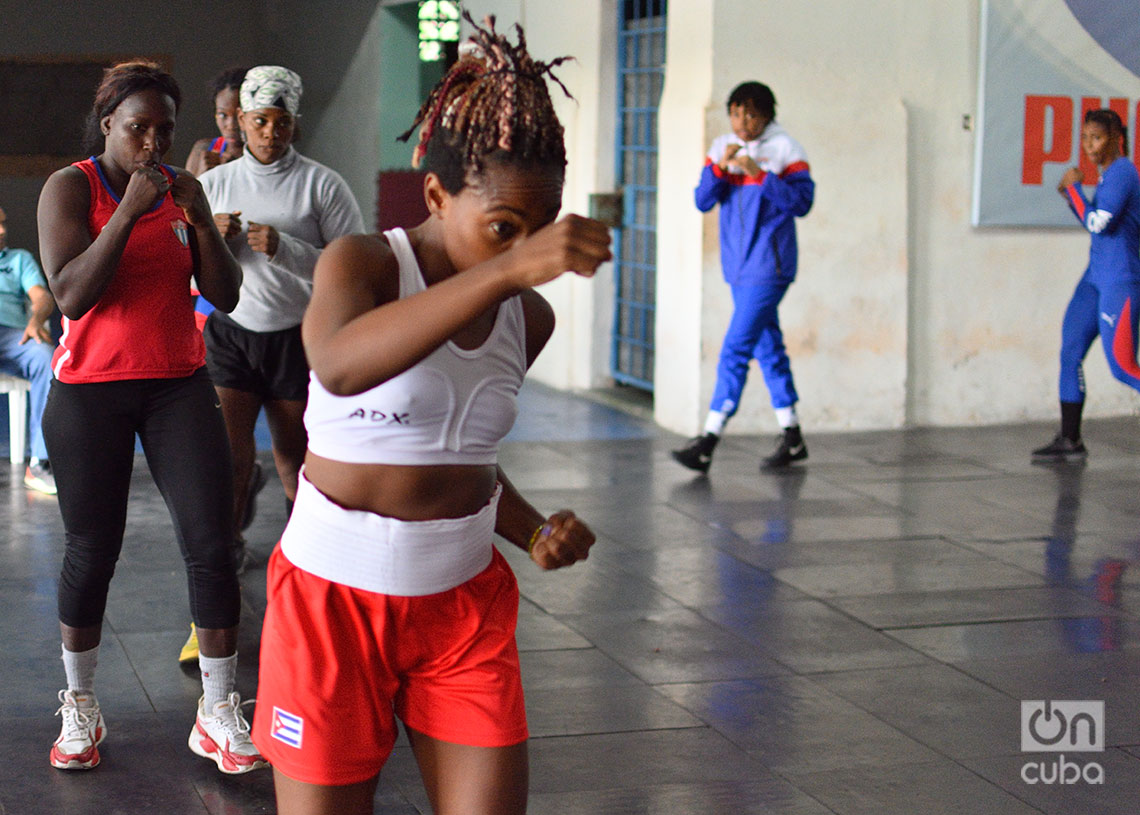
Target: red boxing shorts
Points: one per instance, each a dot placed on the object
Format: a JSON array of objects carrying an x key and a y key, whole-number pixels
[{"x": 338, "y": 664}]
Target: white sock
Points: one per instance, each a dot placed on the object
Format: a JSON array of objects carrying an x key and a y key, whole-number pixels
[
  {"x": 715, "y": 422},
  {"x": 786, "y": 417},
  {"x": 219, "y": 675},
  {"x": 80, "y": 669}
]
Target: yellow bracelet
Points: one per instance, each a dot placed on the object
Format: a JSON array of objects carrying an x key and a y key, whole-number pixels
[{"x": 535, "y": 535}]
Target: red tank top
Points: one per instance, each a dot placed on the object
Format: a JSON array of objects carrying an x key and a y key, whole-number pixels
[{"x": 143, "y": 325}]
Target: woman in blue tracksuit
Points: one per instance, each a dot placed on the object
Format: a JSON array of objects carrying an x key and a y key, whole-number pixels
[
  {"x": 760, "y": 177},
  {"x": 1107, "y": 297}
]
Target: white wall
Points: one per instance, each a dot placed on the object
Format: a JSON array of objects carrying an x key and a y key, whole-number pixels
[
  {"x": 845, "y": 319},
  {"x": 576, "y": 356},
  {"x": 902, "y": 312},
  {"x": 681, "y": 377},
  {"x": 355, "y": 152}
]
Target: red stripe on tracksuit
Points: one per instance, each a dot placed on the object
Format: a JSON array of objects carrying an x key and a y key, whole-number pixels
[
  {"x": 1123, "y": 350},
  {"x": 1077, "y": 202},
  {"x": 741, "y": 180}
]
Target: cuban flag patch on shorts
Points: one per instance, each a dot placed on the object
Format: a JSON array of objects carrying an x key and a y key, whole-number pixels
[{"x": 287, "y": 727}]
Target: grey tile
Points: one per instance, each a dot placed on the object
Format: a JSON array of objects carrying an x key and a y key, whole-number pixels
[
  {"x": 810, "y": 637},
  {"x": 913, "y": 609},
  {"x": 576, "y": 668},
  {"x": 169, "y": 686},
  {"x": 932, "y": 788},
  {"x": 584, "y": 586},
  {"x": 625, "y": 760},
  {"x": 1101, "y": 566},
  {"x": 794, "y": 552},
  {"x": 583, "y": 711},
  {"x": 843, "y": 526},
  {"x": 610, "y": 762},
  {"x": 32, "y": 681},
  {"x": 704, "y": 576},
  {"x": 655, "y": 526},
  {"x": 889, "y": 578},
  {"x": 961, "y": 643},
  {"x": 673, "y": 646},
  {"x": 539, "y": 631},
  {"x": 793, "y": 725},
  {"x": 946, "y": 710},
  {"x": 1117, "y": 795},
  {"x": 772, "y": 796},
  {"x": 1109, "y": 676},
  {"x": 30, "y": 618}
]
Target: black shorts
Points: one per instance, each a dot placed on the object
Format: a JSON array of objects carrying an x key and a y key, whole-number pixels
[{"x": 271, "y": 364}]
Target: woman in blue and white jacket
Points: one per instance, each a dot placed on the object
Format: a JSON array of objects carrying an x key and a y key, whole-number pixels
[{"x": 760, "y": 177}]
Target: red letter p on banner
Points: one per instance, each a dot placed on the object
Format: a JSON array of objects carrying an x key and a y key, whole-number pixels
[{"x": 1033, "y": 154}]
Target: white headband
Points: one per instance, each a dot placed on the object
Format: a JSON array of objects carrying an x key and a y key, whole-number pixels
[{"x": 271, "y": 86}]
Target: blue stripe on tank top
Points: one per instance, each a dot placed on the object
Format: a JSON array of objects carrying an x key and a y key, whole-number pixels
[{"x": 167, "y": 170}]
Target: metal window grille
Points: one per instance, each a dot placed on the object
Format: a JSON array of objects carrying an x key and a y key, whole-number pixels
[{"x": 641, "y": 74}]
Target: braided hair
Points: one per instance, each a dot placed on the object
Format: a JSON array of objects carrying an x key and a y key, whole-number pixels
[{"x": 491, "y": 106}]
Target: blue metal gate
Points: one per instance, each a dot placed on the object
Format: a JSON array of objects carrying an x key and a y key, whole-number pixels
[{"x": 641, "y": 74}]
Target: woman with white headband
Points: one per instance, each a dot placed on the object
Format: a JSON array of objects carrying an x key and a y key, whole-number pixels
[{"x": 277, "y": 209}]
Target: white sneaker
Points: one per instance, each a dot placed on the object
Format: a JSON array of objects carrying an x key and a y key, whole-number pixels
[
  {"x": 38, "y": 476},
  {"x": 77, "y": 747},
  {"x": 223, "y": 736}
]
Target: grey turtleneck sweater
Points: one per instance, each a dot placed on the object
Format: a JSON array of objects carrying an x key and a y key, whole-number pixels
[{"x": 307, "y": 203}]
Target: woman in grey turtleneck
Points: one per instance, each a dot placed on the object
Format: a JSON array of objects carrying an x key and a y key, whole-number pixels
[{"x": 277, "y": 210}]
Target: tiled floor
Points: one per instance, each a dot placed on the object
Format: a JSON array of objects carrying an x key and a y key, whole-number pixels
[{"x": 854, "y": 636}]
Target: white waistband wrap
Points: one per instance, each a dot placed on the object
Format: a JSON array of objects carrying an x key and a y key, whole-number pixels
[{"x": 386, "y": 555}]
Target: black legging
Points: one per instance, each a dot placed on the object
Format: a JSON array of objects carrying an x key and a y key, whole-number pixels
[{"x": 90, "y": 434}]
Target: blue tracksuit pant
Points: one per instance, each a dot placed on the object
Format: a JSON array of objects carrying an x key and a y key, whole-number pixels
[
  {"x": 1110, "y": 310},
  {"x": 754, "y": 333}
]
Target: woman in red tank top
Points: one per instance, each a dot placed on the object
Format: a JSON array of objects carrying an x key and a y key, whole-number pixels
[
  {"x": 122, "y": 236},
  {"x": 207, "y": 153}
]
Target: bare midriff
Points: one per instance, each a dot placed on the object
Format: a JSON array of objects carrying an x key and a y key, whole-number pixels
[{"x": 405, "y": 492}]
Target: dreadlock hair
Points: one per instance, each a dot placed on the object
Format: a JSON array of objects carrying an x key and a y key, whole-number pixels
[
  {"x": 1110, "y": 121},
  {"x": 229, "y": 79},
  {"x": 492, "y": 106},
  {"x": 119, "y": 82}
]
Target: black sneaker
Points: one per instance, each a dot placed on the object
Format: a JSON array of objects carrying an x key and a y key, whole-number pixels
[
  {"x": 257, "y": 480},
  {"x": 697, "y": 452},
  {"x": 240, "y": 556},
  {"x": 1060, "y": 451},
  {"x": 790, "y": 447}
]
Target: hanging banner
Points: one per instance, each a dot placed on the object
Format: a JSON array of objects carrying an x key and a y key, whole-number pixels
[{"x": 1043, "y": 63}]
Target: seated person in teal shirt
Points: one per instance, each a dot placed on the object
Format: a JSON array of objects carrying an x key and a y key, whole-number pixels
[{"x": 26, "y": 345}]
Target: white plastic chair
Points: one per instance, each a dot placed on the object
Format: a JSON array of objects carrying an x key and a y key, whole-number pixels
[{"x": 17, "y": 390}]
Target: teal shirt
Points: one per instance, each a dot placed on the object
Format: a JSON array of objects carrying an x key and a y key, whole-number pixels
[{"x": 18, "y": 273}]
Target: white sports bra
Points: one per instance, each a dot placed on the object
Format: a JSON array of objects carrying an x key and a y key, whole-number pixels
[{"x": 453, "y": 407}]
